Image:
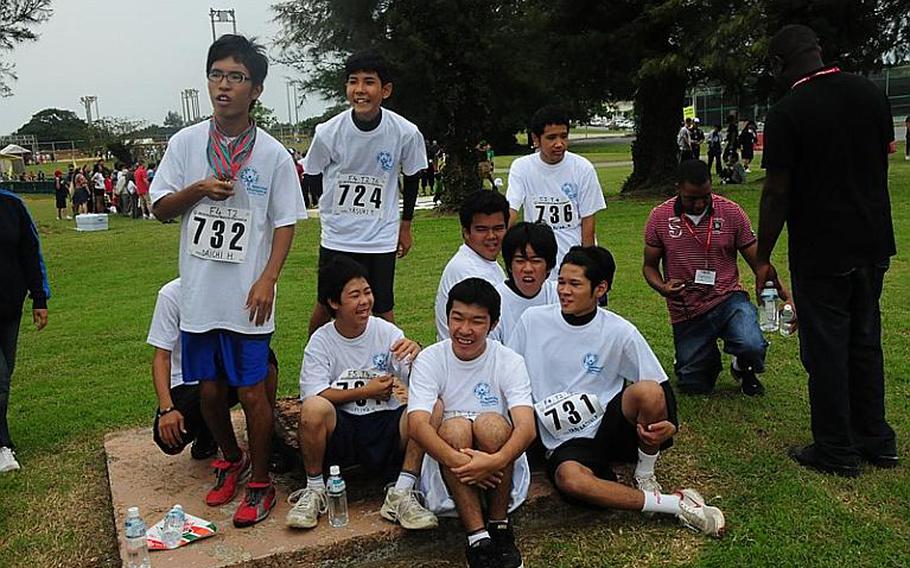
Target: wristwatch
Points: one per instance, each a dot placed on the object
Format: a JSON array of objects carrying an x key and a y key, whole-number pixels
[{"x": 163, "y": 411}]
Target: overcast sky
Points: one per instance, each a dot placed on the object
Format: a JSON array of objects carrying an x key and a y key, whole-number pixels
[{"x": 136, "y": 57}]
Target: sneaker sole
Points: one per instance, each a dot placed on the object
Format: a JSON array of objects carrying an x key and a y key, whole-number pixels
[
  {"x": 300, "y": 525},
  {"x": 389, "y": 515}
]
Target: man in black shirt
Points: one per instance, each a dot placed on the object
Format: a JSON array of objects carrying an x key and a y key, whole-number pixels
[{"x": 826, "y": 155}]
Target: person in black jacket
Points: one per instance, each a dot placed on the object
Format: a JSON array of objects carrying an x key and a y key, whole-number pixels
[{"x": 23, "y": 272}]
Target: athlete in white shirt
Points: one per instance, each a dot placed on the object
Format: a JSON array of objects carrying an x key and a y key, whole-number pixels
[
  {"x": 483, "y": 216},
  {"x": 487, "y": 423},
  {"x": 355, "y": 159},
  {"x": 352, "y": 384},
  {"x": 237, "y": 190},
  {"x": 179, "y": 420},
  {"x": 579, "y": 358},
  {"x": 529, "y": 250},
  {"x": 555, "y": 186}
]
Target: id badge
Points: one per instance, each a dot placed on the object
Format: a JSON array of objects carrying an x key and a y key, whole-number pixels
[{"x": 706, "y": 277}]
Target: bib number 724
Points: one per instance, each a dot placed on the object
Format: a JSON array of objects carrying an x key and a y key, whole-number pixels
[{"x": 359, "y": 195}]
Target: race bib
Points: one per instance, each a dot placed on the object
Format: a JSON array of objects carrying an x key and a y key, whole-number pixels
[
  {"x": 555, "y": 212},
  {"x": 219, "y": 233},
  {"x": 358, "y": 195},
  {"x": 564, "y": 414},
  {"x": 355, "y": 378}
]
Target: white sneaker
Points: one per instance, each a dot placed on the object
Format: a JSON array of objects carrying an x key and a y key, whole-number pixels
[
  {"x": 696, "y": 515},
  {"x": 308, "y": 504},
  {"x": 8, "y": 460},
  {"x": 403, "y": 506},
  {"x": 648, "y": 484}
]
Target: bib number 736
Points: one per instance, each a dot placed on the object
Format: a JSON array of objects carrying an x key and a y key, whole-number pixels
[{"x": 563, "y": 414}]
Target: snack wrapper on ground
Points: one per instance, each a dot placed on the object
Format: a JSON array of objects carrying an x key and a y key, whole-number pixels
[{"x": 194, "y": 529}]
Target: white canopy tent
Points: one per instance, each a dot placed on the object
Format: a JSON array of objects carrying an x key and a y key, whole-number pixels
[{"x": 15, "y": 150}]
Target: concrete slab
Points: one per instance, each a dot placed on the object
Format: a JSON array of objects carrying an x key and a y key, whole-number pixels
[{"x": 141, "y": 475}]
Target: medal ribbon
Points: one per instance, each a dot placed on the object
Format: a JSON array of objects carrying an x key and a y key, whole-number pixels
[
  {"x": 227, "y": 157},
  {"x": 827, "y": 71}
]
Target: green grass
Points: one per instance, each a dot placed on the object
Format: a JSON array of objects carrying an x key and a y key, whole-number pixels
[{"x": 87, "y": 374}]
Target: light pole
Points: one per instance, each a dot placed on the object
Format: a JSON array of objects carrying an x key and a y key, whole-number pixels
[
  {"x": 88, "y": 100},
  {"x": 222, "y": 17}
]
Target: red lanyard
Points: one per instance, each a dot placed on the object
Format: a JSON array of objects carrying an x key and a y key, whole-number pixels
[
  {"x": 687, "y": 222},
  {"x": 828, "y": 71}
]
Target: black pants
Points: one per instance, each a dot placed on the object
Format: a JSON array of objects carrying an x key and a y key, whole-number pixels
[
  {"x": 9, "y": 336},
  {"x": 714, "y": 157},
  {"x": 841, "y": 348}
]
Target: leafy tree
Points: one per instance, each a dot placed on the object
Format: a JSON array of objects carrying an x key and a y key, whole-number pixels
[
  {"x": 56, "y": 124},
  {"x": 264, "y": 116},
  {"x": 460, "y": 70},
  {"x": 17, "y": 18},
  {"x": 173, "y": 120}
]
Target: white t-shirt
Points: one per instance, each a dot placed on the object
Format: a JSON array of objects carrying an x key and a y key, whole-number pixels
[
  {"x": 559, "y": 195},
  {"x": 465, "y": 264},
  {"x": 164, "y": 332},
  {"x": 513, "y": 305},
  {"x": 593, "y": 360},
  {"x": 98, "y": 180},
  {"x": 332, "y": 360},
  {"x": 225, "y": 245},
  {"x": 359, "y": 204},
  {"x": 121, "y": 181},
  {"x": 494, "y": 382}
]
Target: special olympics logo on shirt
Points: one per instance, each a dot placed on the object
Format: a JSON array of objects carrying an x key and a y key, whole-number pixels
[
  {"x": 249, "y": 177},
  {"x": 570, "y": 189},
  {"x": 381, "y": 361},
  {"x": 385, "y": 161},
  {"x": 590, "y": 363},
  {"x": 484, "y": 394}
]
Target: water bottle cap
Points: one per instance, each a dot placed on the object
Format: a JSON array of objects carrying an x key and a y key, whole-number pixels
[
  {"x": 177, "y": 507},
  {"x": 769, "y": 284},
  {"x": 334, "y": 470},
  {"x": 132, "y": 512}
]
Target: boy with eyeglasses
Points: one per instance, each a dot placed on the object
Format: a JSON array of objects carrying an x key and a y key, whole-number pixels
[
  {"x": 354, "y": 162},
  {"x": 237, "y": 190}
]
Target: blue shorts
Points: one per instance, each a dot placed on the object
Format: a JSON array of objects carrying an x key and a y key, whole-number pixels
[{"x": 242, "y": 360}]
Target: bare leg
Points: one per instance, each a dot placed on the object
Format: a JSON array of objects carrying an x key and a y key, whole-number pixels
[
  {"x": 259, "y": 418},
  {"x": 388, "y": 316},
  {"x": 413, "y": 453},
  {"x": 457, "y": 433},
  {"x": 579, "y": 482},
  {"x": 271, "y": 385},
  {"x": 218, "y": 418},
  {"x": 319, "y": 318},
  {"x": 491, "y": 431},
  {"x": 317, "y": 422},
  {"x": 644, "y": 403}
]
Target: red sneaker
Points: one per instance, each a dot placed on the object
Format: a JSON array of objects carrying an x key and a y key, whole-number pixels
[
  {"x": 256, "y": 505},
  {"x": 228, "y": 477}
]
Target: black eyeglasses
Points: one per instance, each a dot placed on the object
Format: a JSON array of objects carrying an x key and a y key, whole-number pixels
[{"x": 233, "y": 77}]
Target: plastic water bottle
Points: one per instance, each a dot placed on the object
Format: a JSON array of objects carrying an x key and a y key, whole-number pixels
[
  {"x": 768, "y": 314},
  {"x": 137, "y": 547},
  {"x": 338, "y": 498},
  {"x": 173, "y": 527},
  {"x": 786, "y": 320}
]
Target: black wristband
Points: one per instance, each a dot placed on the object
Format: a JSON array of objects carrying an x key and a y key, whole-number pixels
[{"x": 165, "y": 411}]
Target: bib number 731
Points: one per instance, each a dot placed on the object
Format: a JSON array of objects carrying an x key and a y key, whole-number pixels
[
  {"x": 219, "y": 233},
  {"x": 564, "y": 414}
]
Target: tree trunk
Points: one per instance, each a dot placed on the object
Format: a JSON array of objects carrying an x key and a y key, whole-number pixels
[
  {"x": 658, "y": 111},
  {"x": 459, "y": 177}
]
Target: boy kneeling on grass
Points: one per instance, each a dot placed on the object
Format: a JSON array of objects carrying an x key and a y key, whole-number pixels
[
  {"x": 487, "y": 422},
  {"x": 351, "y": 414}
]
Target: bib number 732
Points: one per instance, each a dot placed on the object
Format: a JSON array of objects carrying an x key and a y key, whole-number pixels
[
  {"x": 563, "y": 414},
  {"x": 219, "y": 233}
]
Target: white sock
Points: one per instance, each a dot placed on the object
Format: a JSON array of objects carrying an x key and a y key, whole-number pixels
[
  {"x": 477, "y": 537},
  {"x": 315, "y": 482},
  {"x": 405, "y": 481},
  {"x": 645, "y": 465},
  {"x": 661, "y": 503}
]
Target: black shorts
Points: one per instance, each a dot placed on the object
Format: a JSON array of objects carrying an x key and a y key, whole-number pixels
[
  {"x": 61, "y": 197},
  {"x": 188, "y": 401},
  {"x": 380, "y": 273},
  {"x": 372, "y": 441},
  {"x": 748, "y": 153},
  {"x": 616, "y": 441}
]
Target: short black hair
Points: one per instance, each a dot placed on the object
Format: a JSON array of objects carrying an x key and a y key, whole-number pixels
[
  {"x": 693, "y": 171},
  {"x": 475, "y": 291},
  {"x": 792, "y": 40},
  {"x": 369, "y": 62},
  {"x": 482, "y": 201},
  {"x": 538, "y": 235},
  {"x": 597, "y": 261},
  {"x": 334, "y": 275},
  {"x": 550, "y": 114},
  {"x": 245, "y": 51}
]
